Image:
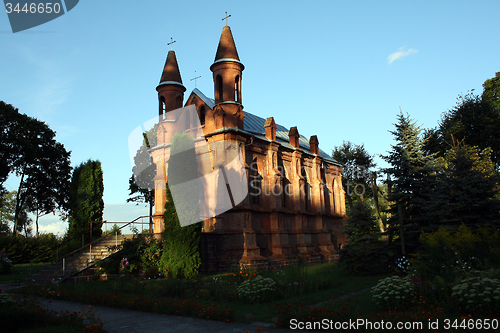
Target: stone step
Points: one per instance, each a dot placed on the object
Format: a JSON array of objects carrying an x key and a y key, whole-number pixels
[{"x": 79, "y": 261}]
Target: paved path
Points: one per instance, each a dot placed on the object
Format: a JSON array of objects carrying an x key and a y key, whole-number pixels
[{"x": 120, "y": 320}]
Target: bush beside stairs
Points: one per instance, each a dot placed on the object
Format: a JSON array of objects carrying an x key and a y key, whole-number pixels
[{"x": 78, "y": 261}]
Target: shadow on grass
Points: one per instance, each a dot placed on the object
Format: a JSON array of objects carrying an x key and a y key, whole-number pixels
[
  {"x": 22, "y": 271},
  {"x": 311, "y": 284}
]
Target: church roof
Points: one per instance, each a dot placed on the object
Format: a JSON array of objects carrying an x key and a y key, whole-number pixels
[
  {"x": 255, "y": 126},
  {"x": 226, "y": 48},
  {"x": 171, "y": 71}
]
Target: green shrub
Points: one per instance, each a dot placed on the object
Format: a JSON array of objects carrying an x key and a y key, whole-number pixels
[
  {"x": 129, "y": 250},
  {"x": 181, "y": 244},
  {"x": 6, "y": 300},
  {"x": 364, "y": 253},
  {"x": 5, "y": 264},
  {"x": 150, "y": 253},
  {"x": 450, "y": 255},
  {"x": 181, "y": 254},
  {"x": 478, "y": 295},
  {"x": 115, "y": 229},
  {"x": 257, "y": 290},
  {"x": 393, "y": 292},
  {"x": 23, "y": 250},
  {"x": 143, "y": 254}
]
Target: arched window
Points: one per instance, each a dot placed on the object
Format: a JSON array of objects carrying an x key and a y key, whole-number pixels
[
  {"x": 307, "y": 190},
  {"x": 285, "y": 194},
  {"x": 334, "y": 189},
  {"x": 178, "y": 102},
  {"x": 202, "y": 115},
  {"x": 162, "y": 107},
  {"x": 255, "y": 183},
  {"x": 218, "y": 91},
  {"x": 327, "y": 200},
  {"x": 237, "y": 92},
  {"x": 187, "y": 117}
]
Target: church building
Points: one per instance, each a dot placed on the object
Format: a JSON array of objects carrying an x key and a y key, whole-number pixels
[{"x": 295, "y": 204}]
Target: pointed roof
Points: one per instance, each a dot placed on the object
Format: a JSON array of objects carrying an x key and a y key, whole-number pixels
[
  {"x": 171, "y": 71},
  {"x": 226, "y": 48}
]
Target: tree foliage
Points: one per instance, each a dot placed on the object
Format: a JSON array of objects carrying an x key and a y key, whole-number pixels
[
  {"x": 491, "y": 92},
  {"x": 141, "y": 183},
  {"x": 7, "y": 210},
  {"x": 411, "y": 172},
  {"x": 364, "y": 252},
  {"x": 29, "y": 149},
  {"x": 474, "y": 121},
  {"x": 86, "y": 203},
  {"x": 466, "y": 191},
  {"x": 356, "y": 171}
]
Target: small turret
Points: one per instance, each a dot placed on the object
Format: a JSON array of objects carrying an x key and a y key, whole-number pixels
[
  {"x": 170, "y": 89},
  {"x": 227, "y": 70}
]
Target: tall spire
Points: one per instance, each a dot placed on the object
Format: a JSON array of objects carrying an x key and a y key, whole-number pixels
[
  {"x": 171, "y": 71},
  {"x": 226, "y": 48}
]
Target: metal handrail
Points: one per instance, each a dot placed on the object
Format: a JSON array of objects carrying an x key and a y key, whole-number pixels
[{"x": 98, "y": 239}]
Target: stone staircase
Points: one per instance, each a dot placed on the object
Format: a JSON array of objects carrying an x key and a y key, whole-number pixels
[{"x": 79, "y": 260}]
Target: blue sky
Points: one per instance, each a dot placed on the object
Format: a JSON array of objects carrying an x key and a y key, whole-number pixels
[{"x": 340, "y": 70}]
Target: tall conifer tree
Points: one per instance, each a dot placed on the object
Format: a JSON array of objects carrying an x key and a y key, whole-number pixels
[
  {"x": 86, "y": 203},
  {"x": 411, "y": 172},
  {"x": 181, "y": 254}
]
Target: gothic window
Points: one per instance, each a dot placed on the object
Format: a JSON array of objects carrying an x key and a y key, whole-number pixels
[
  {"x": 187, "y": 117},
  {"x": 218, "y": 91},
  {"x": 334, "y": 189},
  {"x": 285, "y": 192},
  {"x": 327, "y": 200},
  {"x": 202, "y": 115},
  {"x": 307, "y": 190},
  {"x": 255, "y": 183},
  {"x": 237, "y": 92},
  {"x": 163, "y": 107}
]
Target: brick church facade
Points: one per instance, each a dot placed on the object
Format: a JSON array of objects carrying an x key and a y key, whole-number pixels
[{"x": 295, "y": 204}]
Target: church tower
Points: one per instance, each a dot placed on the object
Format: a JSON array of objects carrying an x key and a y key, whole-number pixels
[
  {"x": 227, "y": 70},
  {"x": 170, "y": 97},
  {"x": 170, "y": 89}
]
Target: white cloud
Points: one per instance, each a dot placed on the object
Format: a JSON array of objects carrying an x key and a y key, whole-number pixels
[
  {"x": 402, "y": 52},
  {"x": 57, "y": 228}
]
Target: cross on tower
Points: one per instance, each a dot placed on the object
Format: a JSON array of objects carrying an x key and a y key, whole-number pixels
[
  {"x": 171, "y": 42},
  {"x": 225, "y": 18},
  {"x": 195, "y": 77}
]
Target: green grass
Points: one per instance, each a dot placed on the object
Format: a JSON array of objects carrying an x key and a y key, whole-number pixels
[
  {"x": 318, "y": 283},
  {"x": 21, "y": 271}
]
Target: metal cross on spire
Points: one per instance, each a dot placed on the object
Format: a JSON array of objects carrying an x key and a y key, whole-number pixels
[
  {"x": 225, "y": 18},
  {"x": 171, "y": 42},
  {"x": 195, "y": 77}
]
